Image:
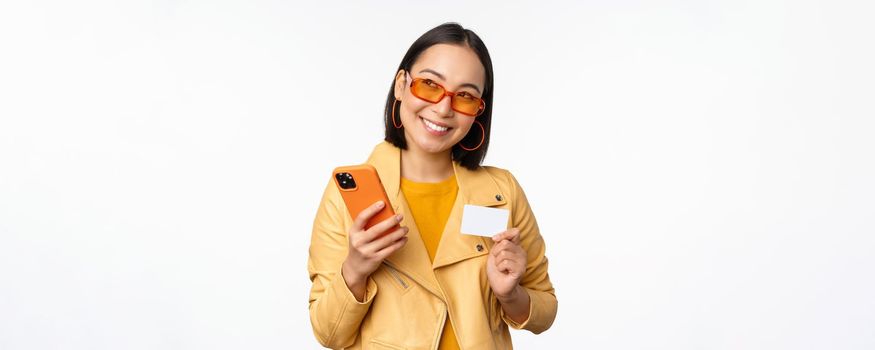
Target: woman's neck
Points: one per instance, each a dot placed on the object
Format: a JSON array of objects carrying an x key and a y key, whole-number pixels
[{"x": 420, "y": 166}]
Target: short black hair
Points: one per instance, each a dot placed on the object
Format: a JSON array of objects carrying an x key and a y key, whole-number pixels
[{"x": 448, "y": 33}]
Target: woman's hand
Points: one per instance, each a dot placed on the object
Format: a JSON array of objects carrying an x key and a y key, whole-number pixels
[
  {"x": 505, "y": 268},
  {"x": 368, "y": 248},
  {"x": 506, "y": 264}
]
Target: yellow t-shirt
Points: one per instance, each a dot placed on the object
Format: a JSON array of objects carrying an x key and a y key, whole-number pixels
[{"x": 430, "y": 204}]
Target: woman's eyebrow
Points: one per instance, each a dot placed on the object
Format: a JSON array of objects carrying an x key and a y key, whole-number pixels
[{"x": 439, "y": 75}]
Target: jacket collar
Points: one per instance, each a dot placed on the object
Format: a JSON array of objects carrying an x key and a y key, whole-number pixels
[{"x": 476, "y": 187}]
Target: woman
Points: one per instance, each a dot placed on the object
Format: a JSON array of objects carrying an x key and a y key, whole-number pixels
[{"x": 425, "y": 285}]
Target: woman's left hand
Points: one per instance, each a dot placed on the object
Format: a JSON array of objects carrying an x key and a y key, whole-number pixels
[{"x": 506, "y": 264}]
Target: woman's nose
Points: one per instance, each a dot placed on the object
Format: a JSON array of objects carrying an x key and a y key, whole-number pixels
[{"x": 444, "y": 107}]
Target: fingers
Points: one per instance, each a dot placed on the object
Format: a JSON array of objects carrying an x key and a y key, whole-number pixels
[
  {"x": 504, "y": 245},
  {"x": 510, "y": 267},
  {"x": 386, "y": 240},
  {"x": 512, "y": 234},
  {"x": 498, "y": 247},
  {"x": 508, "y": 257},
  {"x": 385, "y": 252},
  {"x": 505, "y": 266},
  {"x": 362, "y": 219},
  {"x": 382, "y": 226},
  {"x": 509, "y": 261}
]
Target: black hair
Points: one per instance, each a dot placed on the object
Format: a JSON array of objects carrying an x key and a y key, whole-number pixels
[{"x": 448, "y": 33}]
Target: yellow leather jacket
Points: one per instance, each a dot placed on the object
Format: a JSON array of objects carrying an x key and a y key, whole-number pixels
[{"x": 407, "y": 297}]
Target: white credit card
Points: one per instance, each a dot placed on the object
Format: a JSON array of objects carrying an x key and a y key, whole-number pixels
[{"x": 484, "y": 221}]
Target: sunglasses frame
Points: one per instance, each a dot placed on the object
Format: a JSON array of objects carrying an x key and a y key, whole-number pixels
[{"x": 446, "y": 93}]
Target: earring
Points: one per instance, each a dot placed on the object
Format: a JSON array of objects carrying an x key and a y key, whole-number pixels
[
  {"x": 482, "y": 138},
  {"x": 398, "y": 125}
]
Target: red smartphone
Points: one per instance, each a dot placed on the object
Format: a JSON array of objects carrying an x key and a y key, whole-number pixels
[{"x": 360, "y": 187}]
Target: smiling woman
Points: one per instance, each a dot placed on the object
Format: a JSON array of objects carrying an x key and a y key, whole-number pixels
[
  {"x": 439, "y": 52},
  {"x": 423, "y": 284}
]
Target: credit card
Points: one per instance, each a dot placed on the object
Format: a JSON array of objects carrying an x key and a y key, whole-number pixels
[{"x": 484, "y": 221}]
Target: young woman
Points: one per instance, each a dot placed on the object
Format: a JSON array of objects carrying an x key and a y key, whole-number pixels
[{"x": 425, "y": 285}]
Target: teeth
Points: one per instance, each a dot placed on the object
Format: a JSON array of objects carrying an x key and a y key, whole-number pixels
[{"x": 434, "y": 126}]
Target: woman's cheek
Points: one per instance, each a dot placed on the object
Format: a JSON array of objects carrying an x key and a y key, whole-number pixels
[{"x": 462, "y": 132}]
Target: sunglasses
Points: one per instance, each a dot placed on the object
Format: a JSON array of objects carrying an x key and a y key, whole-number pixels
[{"x": 430, "y": 91}]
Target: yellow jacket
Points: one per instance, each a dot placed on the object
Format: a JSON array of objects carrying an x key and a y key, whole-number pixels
[{"x": 408, "y": 298}]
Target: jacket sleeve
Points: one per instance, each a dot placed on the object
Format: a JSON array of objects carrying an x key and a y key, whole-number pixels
[
  {"x": 536, "y": 281},
  {"x": 335, "y": 314}
]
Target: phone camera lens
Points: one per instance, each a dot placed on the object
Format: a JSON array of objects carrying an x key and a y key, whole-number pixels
[{"x": 345, "y": 180}]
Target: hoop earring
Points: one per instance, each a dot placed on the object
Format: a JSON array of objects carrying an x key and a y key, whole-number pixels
[
  {"x": 482, "y": 138},
  {"x": 398, "y": 125}
]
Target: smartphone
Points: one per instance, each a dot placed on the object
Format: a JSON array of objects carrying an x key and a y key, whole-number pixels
[{"x": 360, "y": 187}]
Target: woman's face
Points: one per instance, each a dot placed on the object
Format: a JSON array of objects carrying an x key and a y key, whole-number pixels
[{"x": 458, "y": 69}]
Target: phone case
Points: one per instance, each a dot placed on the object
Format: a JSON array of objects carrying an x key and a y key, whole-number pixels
[{"x": 368, "y": 190}]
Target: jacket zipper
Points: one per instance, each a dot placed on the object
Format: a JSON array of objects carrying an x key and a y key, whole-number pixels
[{"x": 394, "y": 274}]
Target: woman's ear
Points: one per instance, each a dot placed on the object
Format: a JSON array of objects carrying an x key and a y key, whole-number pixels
[{"x": 400, "y": 82}]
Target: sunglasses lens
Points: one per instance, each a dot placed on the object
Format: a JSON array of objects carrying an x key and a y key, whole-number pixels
[
  {"x": 467, "y": 104},
  {"x": 427, "y": 90}
]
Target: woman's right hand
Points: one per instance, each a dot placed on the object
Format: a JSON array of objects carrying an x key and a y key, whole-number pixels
[{"x": 368, "y": 248}]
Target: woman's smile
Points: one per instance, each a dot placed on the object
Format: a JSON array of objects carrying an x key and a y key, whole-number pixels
[{"x": 434, "y": 128}]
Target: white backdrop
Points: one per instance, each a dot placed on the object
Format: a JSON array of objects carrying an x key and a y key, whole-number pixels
[{"x": 702, "y": 171}]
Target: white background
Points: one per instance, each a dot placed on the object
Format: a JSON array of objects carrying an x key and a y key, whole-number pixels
[{"x": 702, "y": 171}]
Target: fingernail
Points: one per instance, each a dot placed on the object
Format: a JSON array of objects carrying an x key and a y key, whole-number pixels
[
  {"x": 398, "y": 217},
  {"x": 380, "y": 204}
]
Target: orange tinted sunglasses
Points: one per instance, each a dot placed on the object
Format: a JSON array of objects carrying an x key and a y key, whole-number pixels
[{"x": 430, "y": 91}]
